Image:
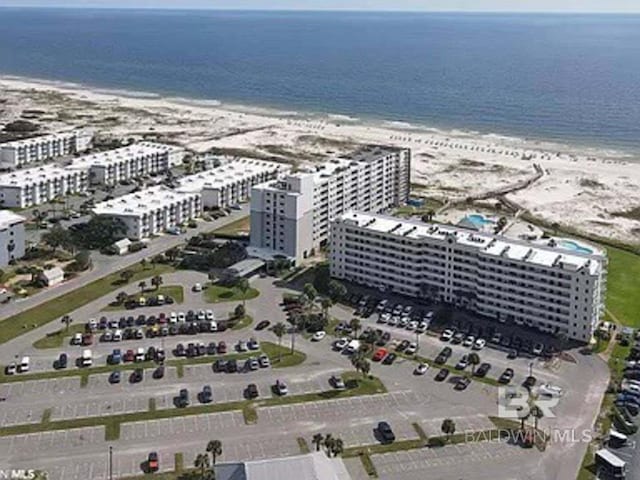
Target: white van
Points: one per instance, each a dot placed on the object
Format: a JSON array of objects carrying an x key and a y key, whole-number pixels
[
  {"x": 160, "y": 299},
  {"x": 140, "y": 354},
  {"x": 117, "y": 336},
  {"x": 353, "y": 347},
  {"x": 142, "y": 302},
  {"x": 213, "y": 326},
  {"x": 24, "y": 365},
  {"x": 76, "y": 339},
  {"x": 87, "y": 358}
]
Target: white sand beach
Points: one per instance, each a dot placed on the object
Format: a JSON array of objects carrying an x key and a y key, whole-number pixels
[{"x": 585, "y": 188}]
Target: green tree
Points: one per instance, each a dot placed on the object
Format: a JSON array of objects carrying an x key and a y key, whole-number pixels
[
  {"x": 67, "y": 320},
  {"x": 338, "y": 447},
  {"x": 318, "y": 440},
  {"x": 143, "y": 264},
  {"x": 82, "y": 260},
  {"x": 214, "y": 447},
  {"x": 172, "y": 254},
  {"x": 58, "y": 237},
  {"x": 126, "y": 276},
  {"x": 537, "y": 414},
  {"x": 474, "y": 360},
  {"x": 448, "y": 427},
  {"x": 121, "y": 298},
  {"x": 142, "y": 285},
  {"x": 279, "y": 329},
  {"x": 156, "y": 281},
  {"x": 202, "y": 463},
  {"x": 326, "y": 304},
  {"x": 239, "y": 311},
  {"x": 329, "y": 443},
  {"x": 310, "y": 292},
  {"x": 99, "y": 232},
  {"x": 243, "y": 286},
  {"x": 337, "y": 290},
  {"x": 355, "y": 325}
]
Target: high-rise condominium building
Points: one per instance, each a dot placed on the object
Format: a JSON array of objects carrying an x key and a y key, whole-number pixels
[{"x": 554, "y": 285}]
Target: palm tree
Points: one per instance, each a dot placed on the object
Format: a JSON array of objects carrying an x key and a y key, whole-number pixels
[
  {"x": 326, "y": 305},
  {"x": 338, "y": 447},
  {"x": 355, "y": 325},
  {"x": 142, "y": 285},
  {"x": 67, "y": 320},
  {"x": 279, "y": 329},
  {"x": 121, "y": 298},
  {"x": 365, "y": 367},
  {"x": 156, "y": 281},
  {"x": 214, "y": 447},
  {"x": 243, "y": 286},
  {"x": 329, "y": 443},
  {"x": 448, "y": 427},
  {"x": 202, "y": 462},
  {"x": 474, "y": 359},
  {"x": 317, "y": 441},
  {"x": 310, "y": 292}
]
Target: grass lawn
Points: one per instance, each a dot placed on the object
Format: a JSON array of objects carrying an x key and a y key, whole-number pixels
[
  {"x": 281, "y": 357},
  {"x": 218, "y": 294},
  {"x": 623, "y": 283},
  {"x": 239, "y": 227},
  {"x": 244, "y": 322},
  {"x": 57, "y": 339},
  {"x": 174, "y": 291},
  {"x": 54, "y": 309}
]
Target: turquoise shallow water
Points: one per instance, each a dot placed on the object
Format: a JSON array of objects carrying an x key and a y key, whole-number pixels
[{"x": 560, "y": 77}]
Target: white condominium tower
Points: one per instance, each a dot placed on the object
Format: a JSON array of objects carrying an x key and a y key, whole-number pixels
[
  {"x": 126, "y": 163},
  {"x": 20, "y": 153},
  {"x": 291, "y": 216},
  {"x": 12, "y": 237},
  {"x": 554, "y": 285},
  {"x": 152, "y": 211}
]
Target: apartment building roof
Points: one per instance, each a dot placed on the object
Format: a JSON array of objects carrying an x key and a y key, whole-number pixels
[
  {"x": 142, "y": 202},
  {"x": 368, "y": 153},
  {"x": 30, "y": 176},
  {"x": 26, "y": 142},
  {"x": 130, "y": 152},
  {"x": 8, "y": 219},
  {"x": 229, "y": 173},
  {"x": 548, "y": 255}
]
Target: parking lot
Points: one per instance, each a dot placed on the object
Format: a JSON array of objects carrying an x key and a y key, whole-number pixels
[{"x": 22, "y": 447}]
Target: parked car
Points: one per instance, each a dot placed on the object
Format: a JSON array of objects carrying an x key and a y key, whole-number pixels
[
  {"x": 462, "y": 363},
  {"x": 153, "y": 463},
  {"x": 411, "y": 349},
  {"x": 506, "y": 376},
  {"x": 379, "y": 354},
  {"x": 483, "y": 369},
  {"x": 206, "y": 396},
  {"x": 421, "y": 369},
  {"x": 220, "y": 365},
  {"x": 262, "y": 325},
  {"x": 11, "y": 369},
  {"x": 385, "y": 433},
  {"x": 264, "y": 361},
  {"x": 442, "y": 375},
  {"x": 337, "y": 382},
  {"x": 447, "y": 335},
  {"x": 318, "y": 336},
  {"x": 114, "y": 377},
  {"x": 529, "y": 382},
  {"x": 137, "y": 375},
  {"x": 462, "y": 383},
  {"x": 158, "y": 372},
  {"x": 537, "y": 349},
  {"x": 281, "y": 388},
  {"x": 62, "y": 361},
  {"x": 252, "y": 391},
  {"x": 183, "y": 398},
  {"x": 390, "y": 358},
  {"x": 479, "y": 344}
]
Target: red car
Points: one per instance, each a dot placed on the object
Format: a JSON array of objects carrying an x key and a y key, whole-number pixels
[
  {"x": 87, "y": 339},
  {"x": 380, "y": 354},
  {"x": 153, "y": 463},
  {"x": 222, "y": 348},
  {"x": 129, "y": 356}
]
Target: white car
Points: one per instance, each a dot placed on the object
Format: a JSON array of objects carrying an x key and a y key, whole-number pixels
[
  {"x": 341, "y": 344},
  {"x": 538, "y": 348},
  {"x": 393, "y": 321},
  {"x": 384, "y": 318},
  {"x": 479, "y": 344},
  {"x": 182, "y": 317},
  {"x": 11, "y": 369},
  {"x": 550, "y": 390},
  {"x": 447, "y": 335},
  {"x": 422, "y": 327},
  {"x": 411, "y": 349},
  {"x": 76, "y": 339},
  {"x": 209, "y": 315},
  {"x": 318, "y": 336},
  {"x": 421, "y": 369},
  {"x": 197, "y": 287},
  {"x": 469, "y": 341},
  {"x": 173, "y": 317},
  {"x": 412, "y": 325},
  {"x": 201, "y": 315}
]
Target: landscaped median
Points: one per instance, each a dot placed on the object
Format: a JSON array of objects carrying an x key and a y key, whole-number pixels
[
  {"x": 176, "y": 292},
  {"x": 56, "y": 308},
  {"x": 356, "y": 386},
  {"x": 280, "y": 357}
]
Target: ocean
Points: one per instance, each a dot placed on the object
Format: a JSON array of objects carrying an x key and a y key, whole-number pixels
[{"x": 570, "y": 78}]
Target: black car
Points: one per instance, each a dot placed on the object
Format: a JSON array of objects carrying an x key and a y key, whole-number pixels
[
  {"x": 232, "y": 366},
  {"x": 384, "y": 339},
  {"x": 441, "y": 359},
  {"x": 114, "y": 377},
  {"x": 389, "y": 359},
  {"x": 206, "y": 396},
  {"x": 158, "y": 372},
  {"x": 211, "y": 348},
  {"x": 385, "y": 433},
  {"x": 179, "y": 351},
  {"x": 403, "y": 346},
  {"x": 442, "y": 375},
  {"x": 482, "y": 370},
  {"x": 529, "y": 382},
  {"x": 506, "y": 376},
  {"x": 263, "y": 324},
  {"x": 462, "y": 383},
  {"x": 62, "y": 361},
  {"x": 173, "y": 330},
  {"x": 513, "y": 353},
  {"x": 201, "y": 349},
  {"x": 183, "y": 398},
  {"x": 137, "y": 375},
  {"x": 220, "y": 365},
  {"x": 252, "y": 391}
]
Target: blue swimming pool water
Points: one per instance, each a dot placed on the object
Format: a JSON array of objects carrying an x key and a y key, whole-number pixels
[
  {"x": 569, "y": 245},
  {"x": 479, "y": 220}
]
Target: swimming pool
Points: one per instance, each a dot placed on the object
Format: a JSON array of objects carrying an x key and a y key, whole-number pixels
[
  {"x": 570, "y": 245},
  {"x": 479, "y": 220}
]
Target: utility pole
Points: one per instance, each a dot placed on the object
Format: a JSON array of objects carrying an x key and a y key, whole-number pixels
[{"x": 531, "y": 369}]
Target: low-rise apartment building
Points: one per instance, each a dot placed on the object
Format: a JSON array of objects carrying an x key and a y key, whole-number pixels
[
  {"x": 290, "y": 216},
  {"x": 231, "y": 183},
  {"x": 21, "y": 153},
  {"x": 12, "y": 239},
  {"x": 549, "y": 284},
  {"x": 130, "y": 162},
  {"x": 34, "y": 186},
  {"x": 152, "y": 211}
]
